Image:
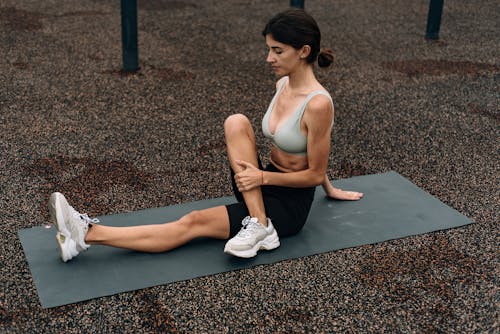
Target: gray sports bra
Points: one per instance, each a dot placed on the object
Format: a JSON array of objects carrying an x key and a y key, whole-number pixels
[{"x": 288, "y": 136}]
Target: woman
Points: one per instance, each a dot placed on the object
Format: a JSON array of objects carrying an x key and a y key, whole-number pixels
[{"x": 274, "y": 201}]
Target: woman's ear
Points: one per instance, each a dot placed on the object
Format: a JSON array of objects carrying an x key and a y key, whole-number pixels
[{"x": 305, "y": 51}]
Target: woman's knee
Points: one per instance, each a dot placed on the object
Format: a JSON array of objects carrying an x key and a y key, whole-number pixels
[
  {"x": 206, "y": 223},
  {"x": 236, "y": 123},
  {"x": 191, "y": 220}
]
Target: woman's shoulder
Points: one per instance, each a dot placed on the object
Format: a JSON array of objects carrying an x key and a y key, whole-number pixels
[
  {"x": 320, "y": 99},
  {"x": 320, "y": 107}
]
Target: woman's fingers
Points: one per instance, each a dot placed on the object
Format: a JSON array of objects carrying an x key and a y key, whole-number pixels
[{"x": 249, "y": 178}]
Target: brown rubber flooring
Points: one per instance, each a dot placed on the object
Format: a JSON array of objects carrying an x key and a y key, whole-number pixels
[{"x": 71, "y": 122}]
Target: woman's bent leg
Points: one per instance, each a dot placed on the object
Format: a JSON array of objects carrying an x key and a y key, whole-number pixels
[
  {"x": 213, "y": 222},
  {"x": 241, "y": 145}
]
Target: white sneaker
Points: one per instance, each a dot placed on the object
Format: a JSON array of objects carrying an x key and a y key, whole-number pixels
[
  {"x": 72, "y": 226},
  {"x": 67, "y": 246},
  {"x": 252, "y": 237}
]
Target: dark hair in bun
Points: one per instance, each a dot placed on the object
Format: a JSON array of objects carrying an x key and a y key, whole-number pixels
[
  {"x": 325, "y": 58},
  {"x": 297, "y": 28}
]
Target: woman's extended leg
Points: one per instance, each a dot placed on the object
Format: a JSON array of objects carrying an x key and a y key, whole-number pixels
[
  {"x": 213, "y": 223},
  {"x": 76, "y": 231},
  {"x": 241, "y": 145}
]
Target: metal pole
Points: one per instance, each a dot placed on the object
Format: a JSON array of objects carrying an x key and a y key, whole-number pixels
[
  {"x": 434, "y": 19},
  {"x": 129, "y": 35},
  {"x": 297, "y": 3}
]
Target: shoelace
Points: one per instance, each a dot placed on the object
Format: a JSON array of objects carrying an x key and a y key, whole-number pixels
[
  {"x": 248, "y": 227},
  {"x": 85, "y": 219}
]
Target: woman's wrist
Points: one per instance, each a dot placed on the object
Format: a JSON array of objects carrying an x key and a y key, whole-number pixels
[
  {"x": 327, "y": 186},
  {"x": 265, "y": 177}
]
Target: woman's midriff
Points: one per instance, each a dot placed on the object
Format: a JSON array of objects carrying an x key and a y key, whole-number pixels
[{"x": 287, "y": 162}]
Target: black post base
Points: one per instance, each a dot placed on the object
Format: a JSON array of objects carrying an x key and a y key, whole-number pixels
[
  {"x": 434, "y": 19},
  {"x": 129, "y": 36}
]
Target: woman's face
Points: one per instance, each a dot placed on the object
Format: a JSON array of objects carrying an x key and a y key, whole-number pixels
[{"x": 283, "y": 58}]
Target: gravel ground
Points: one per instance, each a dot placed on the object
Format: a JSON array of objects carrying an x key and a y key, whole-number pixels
[{"x": 70, "y": 121}]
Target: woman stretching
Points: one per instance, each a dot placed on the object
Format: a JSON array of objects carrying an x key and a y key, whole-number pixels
[{"x": 273, "y": 201}]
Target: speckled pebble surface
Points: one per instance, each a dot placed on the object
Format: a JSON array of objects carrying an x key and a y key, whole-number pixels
[{"x": 69, "y": 121}]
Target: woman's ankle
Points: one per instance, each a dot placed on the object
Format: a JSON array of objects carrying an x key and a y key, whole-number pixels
[{"x": 262, "y": 220}]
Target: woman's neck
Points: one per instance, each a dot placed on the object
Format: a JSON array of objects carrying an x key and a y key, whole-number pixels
[{"x": 302, "y": 79}]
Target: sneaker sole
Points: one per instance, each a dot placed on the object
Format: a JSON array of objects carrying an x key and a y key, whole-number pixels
[
  {"x": 67, "y": 247},
  {"x": 269, "y": 243},
  {"x": 55, "y": 210},
  {"x": 57, "y": 215}
]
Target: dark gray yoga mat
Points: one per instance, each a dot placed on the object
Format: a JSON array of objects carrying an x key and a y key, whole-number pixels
[{"x": 392, "y": 208}]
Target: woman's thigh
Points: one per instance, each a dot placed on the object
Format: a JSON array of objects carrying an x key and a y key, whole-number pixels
[
  {"x": 285, "y": 221},
  {"x": 211, "y": 222}
]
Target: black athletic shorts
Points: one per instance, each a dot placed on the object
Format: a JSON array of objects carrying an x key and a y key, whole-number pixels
[{"x": 286, "y": 207}]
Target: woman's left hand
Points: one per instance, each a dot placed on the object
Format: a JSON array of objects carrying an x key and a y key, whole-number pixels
[
  {"x": 249, "y": 178},
  {"x": 343, "y": 195}
]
